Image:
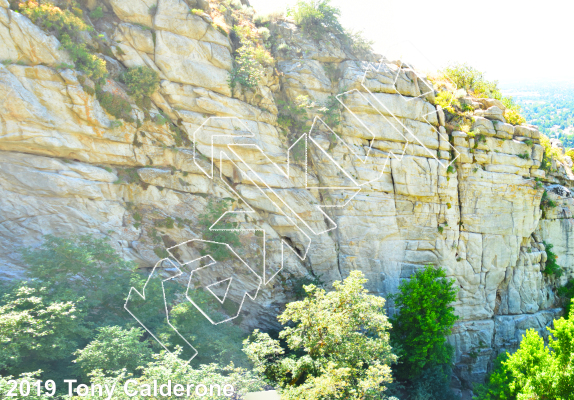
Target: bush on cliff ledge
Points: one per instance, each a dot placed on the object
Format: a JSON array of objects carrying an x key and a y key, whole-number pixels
[
  {"x": 466, "y": 77},
  {"x": 141, "y": 81},
  {"x": 316, "y": 18},
  {"x": 68, "y": 28}
]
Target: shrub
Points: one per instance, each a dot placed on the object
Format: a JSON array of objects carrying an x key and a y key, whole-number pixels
[
  {"x": 93, "y": 66},
  {"x": 293, "y": 116},
  {"x": 160, "y": 120},
  {"x": 221, "y": 29},
  {"x": 330, "y": 112},
  {"x": 53, "y": 19},
  {"x": 264, "y": 33},
  {"x": 549, "y": 153},
  {"x": 249, "y": 61},
  {"x": 115, "y": 105},
  {"x": 141, "y": 81},
  {"x": 283, "y": 47},
  {"x": 466, "y": 77},
  {"x": 424, "y": 319},
  {"x": 339, "y": 341},
  {"x": 160, "y": 252},
  {"x": 552, "y": 267},
  {"x": 358, "y": 43},
  {"x": 292, "y": 119},
  {"x": 546, "y": 203},
  {"x": 67, "y": 28},
  {"x": 97, "y": 13},
  {"x": 114, "y": 348},
  {"x": 447, "y": 101},
  {"x": 261, "y": 19},
  {"x": 512, "y": 116},
  {"x": 317, "y": 18}
]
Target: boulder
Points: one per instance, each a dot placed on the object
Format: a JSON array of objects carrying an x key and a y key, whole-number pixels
[
  {"x": 175, "y": 16},
  {"x": 25, "y": 41},
  {"x": 493, "y": 113},
  {"x": 484, "y": 126},
  {"x": 487, "y": 103},
  {"x": 135, "y": 11},
  {"x": 193, "y": 62}
]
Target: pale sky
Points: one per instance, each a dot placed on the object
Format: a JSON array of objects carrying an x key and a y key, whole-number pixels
[{"x": 510, "y": 40}]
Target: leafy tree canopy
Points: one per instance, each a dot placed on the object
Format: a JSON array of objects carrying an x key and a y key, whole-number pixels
[
  {"x": 424, "y": 319},
  {"x": 536, "y": 371},
  {"x": 339, "y": 342}
]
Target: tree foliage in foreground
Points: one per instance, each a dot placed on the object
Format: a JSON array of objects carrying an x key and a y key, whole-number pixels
[
  {"x": 67, "y": 320},
  {"x": 425, "y": 318},
  {"x": 339, "y": 345},
  {"x": 167, "y": 366},
  {"x": 535, "y": 371},
  {"x": 115, "y": 348},
  {"x": 37, "y": 333},
  {"x": 84, "y": 267}
]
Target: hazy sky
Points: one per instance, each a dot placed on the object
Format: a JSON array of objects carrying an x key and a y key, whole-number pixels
[{"x": 509, "y": 40}]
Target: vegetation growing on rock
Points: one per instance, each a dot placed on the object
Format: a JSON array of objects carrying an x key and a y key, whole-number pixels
[
  {"x": 141, "y": 82},
  {"x": 67, "y": 27},
  {"x": 250, "y": 60},
  {"x": 317, "y": 18},
  {"x": 466, "y": 77}
]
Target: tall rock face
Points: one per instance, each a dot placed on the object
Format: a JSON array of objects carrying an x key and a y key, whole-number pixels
[{"x": 67, "y": 167}]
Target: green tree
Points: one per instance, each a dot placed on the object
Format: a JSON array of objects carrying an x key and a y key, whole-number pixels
[
  {"x": 224, "y": 344},
  {"x": 566, "y": 292},
  {"x": 87, "y": 267},
  {"x": 425, "y": 317},
  {"x": 167, "y": 366},
  {"x": 37, "y": 332},
  {"x": 535, "y": 371},
  {"x": 339, "y": 345},
  {"x": 115, "y": 348}
]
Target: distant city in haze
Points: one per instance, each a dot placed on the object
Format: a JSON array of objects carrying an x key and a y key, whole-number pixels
[{"x": 548, "y": 105}]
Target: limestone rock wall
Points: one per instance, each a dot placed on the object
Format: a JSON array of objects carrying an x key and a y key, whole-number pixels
[{"x": 67, "y": 168}]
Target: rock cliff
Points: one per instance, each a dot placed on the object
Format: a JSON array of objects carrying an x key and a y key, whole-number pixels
[{"x": 69, "y": 167}]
